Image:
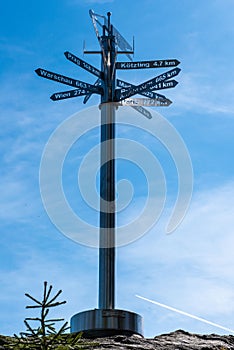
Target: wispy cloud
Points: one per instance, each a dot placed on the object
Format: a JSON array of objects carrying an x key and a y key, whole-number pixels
[
  {"x": 12, "y": 49},
  {"x": 196, "y": 93}
]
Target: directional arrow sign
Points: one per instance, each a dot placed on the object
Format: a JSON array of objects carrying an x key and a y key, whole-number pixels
[
  {"x": 147, "y": 64},
  {"x": 87, "y": 97},
  {"x": 150, "y": 94},
  {"x": 68, "y": 94},
  {"x": 146, "y": 102},
  {"x": 83, "y": 64},
  {"x": 123, "y": 93},
  {"x": 68, "y": 81},
  {"x": 153, "y": 84},
  {"x": 143, "y": 111}
]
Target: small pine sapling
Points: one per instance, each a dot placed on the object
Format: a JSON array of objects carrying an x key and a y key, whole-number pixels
[
  {"x": 45, "y": 336},
  {"x": 46, "y": 333}
]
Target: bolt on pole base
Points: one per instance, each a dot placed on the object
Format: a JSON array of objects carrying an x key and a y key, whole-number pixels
[{"x": 99, "y": 323}]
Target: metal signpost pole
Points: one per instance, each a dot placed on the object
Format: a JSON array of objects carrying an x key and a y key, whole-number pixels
[
  {"x": 107, "y": 175},
  {"x": 106, "y": 320}
]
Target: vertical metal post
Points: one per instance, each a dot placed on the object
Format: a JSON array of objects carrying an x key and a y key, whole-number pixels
[
  {"x": 106, "y": 320},
  {"x": 107, "y": 210},
  {"x": 107, "y": 175}
]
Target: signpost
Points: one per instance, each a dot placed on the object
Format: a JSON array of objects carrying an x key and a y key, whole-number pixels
[{"x": 114, "y": 92}]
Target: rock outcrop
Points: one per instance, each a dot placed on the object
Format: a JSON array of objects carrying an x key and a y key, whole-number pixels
[{"x": 178, "y": 340}]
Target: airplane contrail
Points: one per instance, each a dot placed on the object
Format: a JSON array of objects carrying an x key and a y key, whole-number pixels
[{"x": 185, "y": 314}]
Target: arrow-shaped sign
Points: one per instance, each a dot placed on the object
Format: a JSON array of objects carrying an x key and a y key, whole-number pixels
[
  {"x": 146, "y": 102},
  {"x": 79, "y": 62},
  {"x": 153, "y": 84},
  {"x": 68, "y": 81},
  {"x": 143, "y": 111},
  {"x": 98, "y": 82},
  {"x": 147, "y": 64},
  {"x": 123, "y": 93},
  {"x": 68, "y": 94},
  {"x": 150, "y": 94}
]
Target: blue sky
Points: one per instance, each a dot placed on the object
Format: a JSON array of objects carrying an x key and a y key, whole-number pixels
[{"x": 192, "y": 269}]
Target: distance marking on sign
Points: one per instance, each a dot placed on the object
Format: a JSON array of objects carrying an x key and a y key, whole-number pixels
[
  {"x": 68, "y": 81},
  {"x": 152, "y": 84},
  {"x": 79, "y": 62},
  {"x": 147, "y": 64},
  {"x": 145, "y": 102},
  {"x": 68, "y": 94},
  {"x": 150, "y": 94}
]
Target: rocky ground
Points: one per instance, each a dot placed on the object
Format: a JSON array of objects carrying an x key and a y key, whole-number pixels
[{"x": 178, "y": 340}]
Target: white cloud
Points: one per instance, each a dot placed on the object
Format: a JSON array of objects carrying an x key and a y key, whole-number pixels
[
  {"x": 196, "y": 93},
  {"x": 11, "y": 49}
]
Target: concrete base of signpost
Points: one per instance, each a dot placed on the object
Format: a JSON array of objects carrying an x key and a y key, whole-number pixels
[{"x": 106, "y": 322}]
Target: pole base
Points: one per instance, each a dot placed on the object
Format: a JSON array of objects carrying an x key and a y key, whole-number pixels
[{"x": 106, "y": 322}]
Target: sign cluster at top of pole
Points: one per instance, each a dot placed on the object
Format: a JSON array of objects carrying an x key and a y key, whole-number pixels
[{"x": 124, "y": 91}]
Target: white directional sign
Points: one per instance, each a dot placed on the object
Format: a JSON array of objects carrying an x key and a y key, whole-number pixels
[
  {"x": 83, "y": 64},
  {"x": 145, "y": 102},
  {"x": 68, "y": 81},
  {"x": 153, "y": 84},
  {"x": 147, "y": 64}
]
